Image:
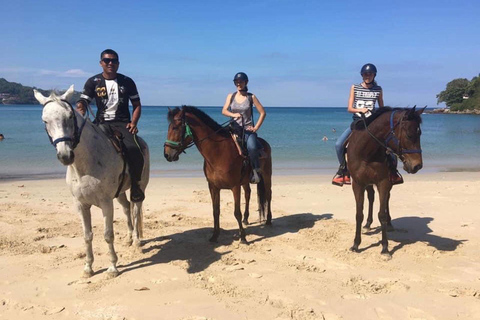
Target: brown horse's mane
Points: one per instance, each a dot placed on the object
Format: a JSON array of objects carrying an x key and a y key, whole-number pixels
[
  {"x": 205, "y": 118},
  {"x": 380, "y": 111}
]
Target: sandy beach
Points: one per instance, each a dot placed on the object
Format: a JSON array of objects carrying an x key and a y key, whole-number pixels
[{"x": 300, "y": 268}]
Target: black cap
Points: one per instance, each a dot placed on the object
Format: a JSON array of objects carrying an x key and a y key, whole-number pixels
[
  {"x": 368, "y": 68},
  {"x": 241, "y": 76}
]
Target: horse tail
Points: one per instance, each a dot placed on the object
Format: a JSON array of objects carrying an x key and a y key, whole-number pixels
[{"x": 262, "y": 198}]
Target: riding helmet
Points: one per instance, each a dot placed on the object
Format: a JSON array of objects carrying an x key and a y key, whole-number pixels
[
  {"x": 241, "y": 76},
  {"x": 369, "y": 68}
]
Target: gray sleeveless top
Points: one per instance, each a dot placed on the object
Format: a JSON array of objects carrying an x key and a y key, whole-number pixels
[{"x": 244, "y": 109}]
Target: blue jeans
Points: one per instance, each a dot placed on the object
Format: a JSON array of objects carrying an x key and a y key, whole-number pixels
[
  {"x": 253, "y": 147},
  {"x": 340, "y": 145}
]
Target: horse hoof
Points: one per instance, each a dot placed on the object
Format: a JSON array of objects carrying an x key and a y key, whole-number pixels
[
  {"x": 354, "y": 248},
  {"x": 245, "y": 222},
  {"x": 243, "y": 241},
  {"x": 137, "y": 243},
  {"x": 386, "y": 256},
  {"x": 87, "y": 273},
  {"x": 213, "y": 239},
  {"x": 268, "y": 223},
  {"x": 112, "y": 273},
  {"x": 128, "y": 242}
]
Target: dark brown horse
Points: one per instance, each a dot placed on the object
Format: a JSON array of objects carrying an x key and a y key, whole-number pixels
[
  {"x": 224, "y": 167},
  {"x": 389, "y": 131}
]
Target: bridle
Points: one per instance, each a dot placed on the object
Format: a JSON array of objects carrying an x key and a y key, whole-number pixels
[
  {"x": 391, "y": 137},
  {"x": 187, "y": 132},
  {"x": 77, "y": 131}
]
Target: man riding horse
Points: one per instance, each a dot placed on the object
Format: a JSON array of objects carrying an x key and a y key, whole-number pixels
[{"x": 112, "y": 91}]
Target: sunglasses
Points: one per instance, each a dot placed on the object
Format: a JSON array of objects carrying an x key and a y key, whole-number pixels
[{"x": 108, "y": 60}]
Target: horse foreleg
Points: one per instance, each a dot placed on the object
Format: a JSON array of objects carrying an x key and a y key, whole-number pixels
[
  {"x": 215, "y": 194},
  {"x": 137, "y": 223},
  {"x": 107, "y": 210},
  {"x": 238, "y": 213},
  {"x": 371, "y": 199},
  {"x": 359, "y": 192},
  {"x": 384, "y": 195},
  {"x": 248, "y": 192},
  {"x": 268, "y": 197},
  {"x": 84, "y": 211},
  {"x": 390, "y": 227},
  {"x": 122, "y": 199}
]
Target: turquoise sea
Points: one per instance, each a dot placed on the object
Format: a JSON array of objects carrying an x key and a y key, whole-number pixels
[{"x": 449, "y": 142}]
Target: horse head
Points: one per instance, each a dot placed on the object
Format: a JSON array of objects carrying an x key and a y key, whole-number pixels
[
  {"x": 409, "y": 132},
  {"x": 179, "y": 135},
  {"x": 60, "y": 123}
]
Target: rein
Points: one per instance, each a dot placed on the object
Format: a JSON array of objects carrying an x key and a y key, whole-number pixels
[
  {"x": 77, "y": 131},
  {"x": 391, "y": 137}
]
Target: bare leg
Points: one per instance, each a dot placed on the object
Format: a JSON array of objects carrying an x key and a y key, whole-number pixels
[
  {"x": 359, "y": 192},
  {"x": 107, "y": 209},
  {"x": 248, "y": 192},
  {"x": 371, "y": 199},
  {"x": 215, "y": 194},
  {"x": 122, "y": 199},
  {"x": 84, "y": 211},
  {"x": 238, "y": 213}
]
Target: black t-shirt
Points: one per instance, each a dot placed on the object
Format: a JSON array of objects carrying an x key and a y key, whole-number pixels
[{"x": 110, "y": 109}]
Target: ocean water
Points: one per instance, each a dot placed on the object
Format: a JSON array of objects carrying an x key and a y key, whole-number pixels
[{"x": 449, "y": 142}]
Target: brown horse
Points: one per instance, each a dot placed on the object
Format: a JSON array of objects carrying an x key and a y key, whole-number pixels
[
  {"x": 387, "y": 131},
  {"x": 224, "y": 167}
]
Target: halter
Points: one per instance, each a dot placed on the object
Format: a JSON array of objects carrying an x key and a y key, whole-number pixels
[
  {"x": 77, "y": 131},
  {"x": 391, "y": 137}
]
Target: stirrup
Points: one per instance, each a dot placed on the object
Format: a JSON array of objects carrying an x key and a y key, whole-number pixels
[
  {"x": 136, "y": 194},
  {"x": 255, "y": 177},
  {"x": 396, "y": 178}
]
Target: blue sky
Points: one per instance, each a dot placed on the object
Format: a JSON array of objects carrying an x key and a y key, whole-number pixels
[{"x": 296, "y": 53}]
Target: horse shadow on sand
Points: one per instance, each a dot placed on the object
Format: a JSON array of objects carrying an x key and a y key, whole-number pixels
[
  {"x": 409, "y": 230},
  {"x": 193, "y": 246}
]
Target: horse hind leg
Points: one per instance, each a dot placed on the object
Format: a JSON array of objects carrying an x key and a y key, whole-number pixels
[
  {"x": 107, "y": 210},
  {"x": 248, "y": 192},
  {"x": 390, "y": 227},
  {"x": 122, "y": 199},
  {"x": 371, "y": 199},
  {"x": 84, "y": 211},
  {"x": 238, "y": 213}
]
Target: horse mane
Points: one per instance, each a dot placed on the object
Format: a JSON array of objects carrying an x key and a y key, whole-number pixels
[
  {"x": 380, "y": 111},
  {"x": 205, "y": 118}
]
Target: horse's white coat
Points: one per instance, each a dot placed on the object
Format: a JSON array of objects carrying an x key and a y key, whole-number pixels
[{"x": 94, "y": 173}]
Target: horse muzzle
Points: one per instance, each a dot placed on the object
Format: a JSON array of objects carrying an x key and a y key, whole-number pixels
[
  {"x": 412, "y": 166},
  {"x": 66, "y": 158}
]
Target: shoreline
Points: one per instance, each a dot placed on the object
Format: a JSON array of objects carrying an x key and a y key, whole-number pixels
[{"x": 279, "y": 172}]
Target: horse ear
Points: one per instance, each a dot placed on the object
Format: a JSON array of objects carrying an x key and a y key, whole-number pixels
[
  {"x": 410, "y": 113},
  {"x": 419, "y": 112},
  {"x": 40, "y": 97},
  {"x": 68, "y": 94}
]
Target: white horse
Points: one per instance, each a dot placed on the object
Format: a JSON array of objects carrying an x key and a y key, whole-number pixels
[{"x": 96, "y": 173}]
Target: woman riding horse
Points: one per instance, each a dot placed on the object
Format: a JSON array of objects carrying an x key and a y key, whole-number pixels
[
  {"x": 239, "y": 106},
  {"x": 361, "y": 102}
]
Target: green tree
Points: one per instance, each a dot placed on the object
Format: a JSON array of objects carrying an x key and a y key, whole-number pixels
[{"x": 454, "y": 92}]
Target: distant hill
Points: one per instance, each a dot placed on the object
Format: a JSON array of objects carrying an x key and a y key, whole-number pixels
[{"x": 16, "y": 93}]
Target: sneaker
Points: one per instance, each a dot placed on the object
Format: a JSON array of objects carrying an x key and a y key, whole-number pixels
[
  {"x": 396, "y": 178},
  {"x": 338, "y": 180},
  {"x": 136, "y": 194},
  {"x": 255, "y": 178}
]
